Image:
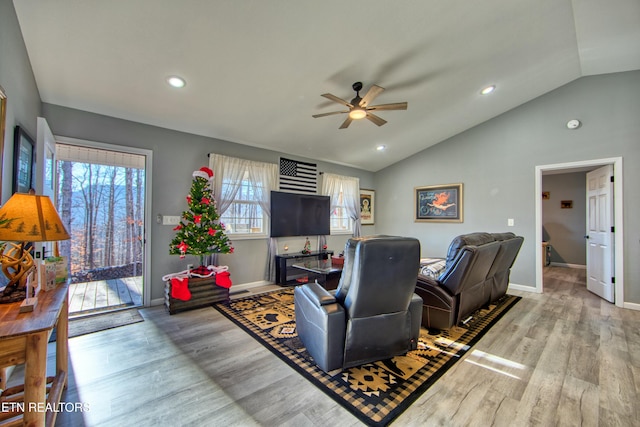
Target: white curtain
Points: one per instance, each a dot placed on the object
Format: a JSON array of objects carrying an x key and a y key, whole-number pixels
[
  {"x": 230, "y": 171},
  {"x": 263, "y": 178},
  {"x": 350, "y": 186}
]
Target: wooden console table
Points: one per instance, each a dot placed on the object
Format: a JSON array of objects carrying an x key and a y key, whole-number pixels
[{"x": 23, "y": 339}]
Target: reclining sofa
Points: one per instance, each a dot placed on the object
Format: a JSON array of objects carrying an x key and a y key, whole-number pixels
[{"x": 476, "y": 273}]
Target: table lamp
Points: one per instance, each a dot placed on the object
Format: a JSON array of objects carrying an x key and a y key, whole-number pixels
[{"x": 25, "y": 218}]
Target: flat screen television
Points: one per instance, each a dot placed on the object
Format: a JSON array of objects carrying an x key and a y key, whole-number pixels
[{"x": 295, "y": 214}]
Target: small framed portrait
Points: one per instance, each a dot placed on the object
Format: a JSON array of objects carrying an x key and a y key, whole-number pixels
[
  {"x": 367, "y": 206},
  {"x": 22, "y": 161}
]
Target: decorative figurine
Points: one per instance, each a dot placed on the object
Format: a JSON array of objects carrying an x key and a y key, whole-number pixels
[{"x": 307, "y": 247}]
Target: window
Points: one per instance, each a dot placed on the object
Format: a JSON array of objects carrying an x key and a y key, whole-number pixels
[
  {"x": 345, "y": 203},
  {"x": 244, "y": 215},
  {"x": 242, "y": 189},
  {"x": 340, "y": 220}
]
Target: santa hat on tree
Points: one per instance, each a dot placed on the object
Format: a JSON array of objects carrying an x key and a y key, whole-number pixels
[{"x": 203, "y": 172}]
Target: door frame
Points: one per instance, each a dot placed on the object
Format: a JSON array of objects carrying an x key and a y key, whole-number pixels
[
  {"x": 148, "y": 173},
  {"x": 45, "y": 143},
  {"x": 618, "y": 248}
]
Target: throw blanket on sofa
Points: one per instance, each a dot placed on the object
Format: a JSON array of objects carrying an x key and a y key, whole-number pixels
[{"x": 432, "y": 267}]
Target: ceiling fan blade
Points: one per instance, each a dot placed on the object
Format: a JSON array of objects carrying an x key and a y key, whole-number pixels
[
  {"x": 346, "y": 123},
  {"x": 394, "y": 106},
  {"x": 338, "y": 100},
  {"x": 374, "y": 91},
  {"x": 375, "y": 119},
  {"x": 329, "y": 114}
]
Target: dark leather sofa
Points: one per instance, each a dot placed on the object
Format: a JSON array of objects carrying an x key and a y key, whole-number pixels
[
  {"x": 373, "y": 315},
  {"x": 477, "y": 270}
]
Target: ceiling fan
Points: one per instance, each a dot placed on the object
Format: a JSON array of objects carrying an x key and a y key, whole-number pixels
[{"x": 359, "y": 108}]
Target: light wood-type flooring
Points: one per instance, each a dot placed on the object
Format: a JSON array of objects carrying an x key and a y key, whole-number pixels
[
  {"x": 104, "y": 295},
  {"x": 561, "y": 358}
]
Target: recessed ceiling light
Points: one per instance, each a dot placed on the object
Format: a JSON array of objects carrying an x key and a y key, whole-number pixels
[
  {"x": 381, "y": 147},
  {"x": 487, "y": 90},
  {"x": 176, "y": 81}
]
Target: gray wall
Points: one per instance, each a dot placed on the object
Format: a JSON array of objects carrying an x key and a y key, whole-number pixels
[
  {"x": 496, "y": 162},
  {"x": 564, "y": 228},
  {"x": 16, "y": 77},
  {"x": 175, "y": 156}
]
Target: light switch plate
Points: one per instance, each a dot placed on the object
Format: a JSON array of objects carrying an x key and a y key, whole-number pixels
[
  {"x": 170, "y": 220},
  {"x": 510, "y": 222}
]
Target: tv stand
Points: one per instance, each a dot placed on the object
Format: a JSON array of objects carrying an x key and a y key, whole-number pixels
[{"x": 286, "y": 274}]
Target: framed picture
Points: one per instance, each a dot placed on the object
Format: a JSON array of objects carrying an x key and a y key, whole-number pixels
[
  {"x": 439, "y": 203},
  {"x": 367, "y": 206},
  {"x": 22, "y": 161}
]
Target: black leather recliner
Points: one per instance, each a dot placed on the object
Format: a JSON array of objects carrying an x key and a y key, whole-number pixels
[
  {"x": 373, "y": 314},
  {"x": 477, "y": 272},
  {"x": 500, "y": 271}
]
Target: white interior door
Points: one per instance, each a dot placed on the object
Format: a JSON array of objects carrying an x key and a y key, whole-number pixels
[
  {"x": 45, "y": 175},
  {"x": 599, "y": 232}
]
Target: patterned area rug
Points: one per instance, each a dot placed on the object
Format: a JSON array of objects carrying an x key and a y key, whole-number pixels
[{"x": 377, "y": 392}]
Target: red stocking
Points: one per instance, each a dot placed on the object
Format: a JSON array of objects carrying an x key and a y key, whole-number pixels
[
  {"x": 223, "y": 280},
  {"x": 180, "y": 289}
]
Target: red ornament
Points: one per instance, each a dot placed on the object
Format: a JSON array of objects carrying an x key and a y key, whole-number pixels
[
  {"x": 205, "y": 201},
  {"x": 183, "y": 249},
  {"x": 197, "y": 218}
]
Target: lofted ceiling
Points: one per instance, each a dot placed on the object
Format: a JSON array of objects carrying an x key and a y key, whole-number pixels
[{"x": 255, "y": 69}]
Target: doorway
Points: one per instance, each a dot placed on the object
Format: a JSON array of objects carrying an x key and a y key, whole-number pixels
[
  {"x": 618, "y": 267},
  {"x": 103, "y": 201}
]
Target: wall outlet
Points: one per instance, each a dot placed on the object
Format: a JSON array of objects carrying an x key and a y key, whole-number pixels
[
  {"x": 189, "y": 266},
  {"x": 510, "y": 222}
]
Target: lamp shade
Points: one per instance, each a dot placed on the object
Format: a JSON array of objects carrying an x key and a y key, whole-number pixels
[{"x": 31, "y": 218}]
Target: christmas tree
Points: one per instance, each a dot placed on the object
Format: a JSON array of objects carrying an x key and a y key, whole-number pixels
[{"x": 200, "y": 232}]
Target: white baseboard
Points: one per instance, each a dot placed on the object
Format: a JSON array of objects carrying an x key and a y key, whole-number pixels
[
  {"x": 631, "y": 306},
  {"x": 566, "y": 265},
  {"x": 250, "y": 285},
  {"x": 157, "y": 301},
  {"x": 523, "y": 288}
]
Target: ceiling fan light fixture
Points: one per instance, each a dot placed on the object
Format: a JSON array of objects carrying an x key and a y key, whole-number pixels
[{"x": 357, "y": 114}]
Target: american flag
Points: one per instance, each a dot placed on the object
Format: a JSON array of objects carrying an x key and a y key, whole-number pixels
[{"x": 298, "y": 177}]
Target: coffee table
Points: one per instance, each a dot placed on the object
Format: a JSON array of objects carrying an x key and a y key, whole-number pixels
[{"x": 322, "y": 271}]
